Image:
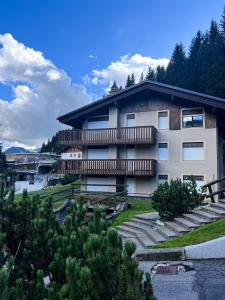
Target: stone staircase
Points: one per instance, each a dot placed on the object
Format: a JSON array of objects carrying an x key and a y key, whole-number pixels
[{"x": 146, "y": 230}]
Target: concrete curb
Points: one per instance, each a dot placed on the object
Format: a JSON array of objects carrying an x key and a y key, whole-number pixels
[
  {"x": 214, "y": 249},
  {"x": 171, "y": 254}
]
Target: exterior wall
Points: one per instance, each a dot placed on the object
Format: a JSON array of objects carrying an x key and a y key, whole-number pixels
[
  {"x": 113, "y": 116},
  {"x": 146, "y": 114}
]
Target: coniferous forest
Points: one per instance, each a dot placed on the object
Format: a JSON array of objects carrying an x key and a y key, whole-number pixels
[{"x": 201, "y": 68}]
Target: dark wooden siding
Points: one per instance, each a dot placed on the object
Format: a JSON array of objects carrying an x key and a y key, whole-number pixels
[
  {"x": 210, "y": 118},
  {"x": 174, "y": 115},
  {"x": 157, "y": 103}
]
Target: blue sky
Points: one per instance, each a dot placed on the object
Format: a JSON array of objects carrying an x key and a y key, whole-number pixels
[
  {"x": 80, "y": 36},
  {"x": 68, "y": 31}
]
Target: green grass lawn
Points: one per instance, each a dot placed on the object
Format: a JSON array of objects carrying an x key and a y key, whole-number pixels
[
  {"x": 204, "y": 233},
  {"x": 47, "y": 192},
  {"x": 138, "y": 206}
]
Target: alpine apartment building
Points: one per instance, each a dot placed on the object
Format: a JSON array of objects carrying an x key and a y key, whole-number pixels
[{"x": 144, "y": 135}]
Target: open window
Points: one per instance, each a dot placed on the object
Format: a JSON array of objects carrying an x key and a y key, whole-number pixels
[{"x": 192, "y": 118}]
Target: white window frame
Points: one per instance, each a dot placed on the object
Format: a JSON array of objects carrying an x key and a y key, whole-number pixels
[
  {"x": 192, "y": 160},
  {"x": 163, "y": 174},
  {"x": 168, "y": 118},
  {"x": 190, "y": 108},
  {"x": 96, "y": 117},
  {"x": 131, "y": 113},
  {"x": 162, "y": 142}
]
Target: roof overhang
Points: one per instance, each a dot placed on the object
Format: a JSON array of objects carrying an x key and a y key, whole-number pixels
[{"x": 174, "y": 92}]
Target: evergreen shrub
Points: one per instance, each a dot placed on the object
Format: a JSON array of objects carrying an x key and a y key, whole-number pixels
[{"x": 176, "y": 198}]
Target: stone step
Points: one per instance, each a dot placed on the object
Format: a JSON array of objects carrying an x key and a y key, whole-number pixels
[
  {"x": 216, "y": 211},
  {"x": 124, "y": 234},
  {"x": 142, "y": 237},
  {"x": 175, "y": 227},
  {"x": 196, "y": 219},
  {"x": 205, "y": 214},
  {"x": 148, "y": 217},
  {"x": 151, "y": 232},
  {"x": 165, "y": 231},
  {"x": 221, "y": 201},
  {"x": 142, "y": 221},
  {"x": 186, "y": 223},
  {"x": 218, "y": 205}
]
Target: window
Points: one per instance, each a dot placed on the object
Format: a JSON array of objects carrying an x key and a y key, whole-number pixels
[
  {"x": 162, "y": 179},
  {"x": 192, "y": 118},
  {"x": 163, "y": 151},
  {"x": 199, "y": 179},
  {"x": 163, "y": 120},
  {"x": 193, "y": 151},
  {"x": 79, "y": 155},
  {"x": 97, "y": 153},
  {"x": 98, "y": 122},
  {"x": 131, "y": 124},
  {"x": 130, "y": 120}
]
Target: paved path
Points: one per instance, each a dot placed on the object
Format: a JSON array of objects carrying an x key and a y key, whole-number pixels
[{"x": 205, "y": 282}]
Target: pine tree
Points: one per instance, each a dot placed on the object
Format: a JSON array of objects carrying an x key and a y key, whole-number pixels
[
  {"x": 194, "y": 63},
  {"x": 160, "y": 74},
  {"x": 222, "y": 23},
  {"x": 84, "y": 258},
  {"x": 213, "y": 66},
  {"x": 132, "y": 79},
  {"x": 4, "y": 290},
  {"x": 175, "y": 73},
  {"x": 150, "y": 74},
  {"x": 141, "y": 77},
  {"x": 128, "y": 83}
]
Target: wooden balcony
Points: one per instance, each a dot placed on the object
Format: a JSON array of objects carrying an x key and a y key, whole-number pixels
[
  {"x": 135, "y": 167},
  {"x": 121, "y": 135}
]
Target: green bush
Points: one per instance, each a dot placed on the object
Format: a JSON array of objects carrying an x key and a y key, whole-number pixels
[
  {"x": 175, "y": 198},
  {"x": 83, "y": 258},
  {"x": 67, "y": 179}
]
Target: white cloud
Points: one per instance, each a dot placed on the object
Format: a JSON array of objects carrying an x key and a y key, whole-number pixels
[
  {"x": 127, "y": 64},
  {"x": 41, "y": 93},
  {"x": 93, "y": 56}
]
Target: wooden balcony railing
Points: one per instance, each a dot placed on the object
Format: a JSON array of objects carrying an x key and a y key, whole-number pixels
[
  {"x": 136, "y": 167},
  {"x": 121, "y": 135}
]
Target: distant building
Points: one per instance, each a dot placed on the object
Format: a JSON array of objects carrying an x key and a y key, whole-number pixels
[
  {"x": 26, "y": 165},
  {"x": 71, "y": 153}
]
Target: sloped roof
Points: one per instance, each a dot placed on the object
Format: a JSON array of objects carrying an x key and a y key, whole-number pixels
[{"x": 135, "y": 89}]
